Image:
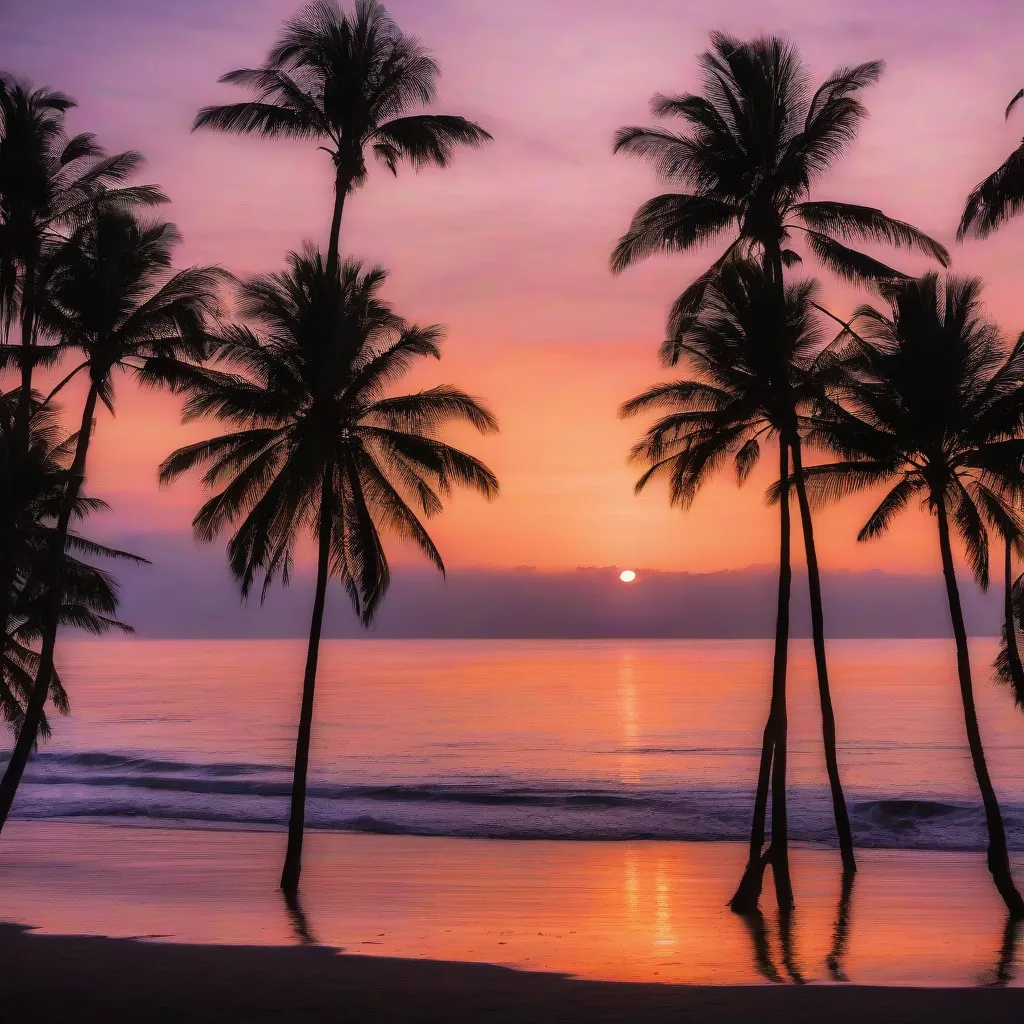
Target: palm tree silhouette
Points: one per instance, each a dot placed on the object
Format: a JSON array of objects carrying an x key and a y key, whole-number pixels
[
  {"x": 347, "y": 81},
  {"x": 930, "y": 403},
  {"x": 317, "y": 446},
  {"x": 114, "y": 299},
  {"x": 31, "y": 490},
  {"x": 999, "y": 197},
  {"x": 758, "y": 144},
  {"x": 48, "y": 182},
  {"x": 749, "y": 376}
]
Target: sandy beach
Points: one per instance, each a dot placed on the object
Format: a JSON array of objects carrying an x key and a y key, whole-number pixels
[{"x": 144, "y": 922}]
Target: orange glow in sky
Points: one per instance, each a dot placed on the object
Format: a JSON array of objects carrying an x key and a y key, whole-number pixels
[{"x": 509, "y": 248}]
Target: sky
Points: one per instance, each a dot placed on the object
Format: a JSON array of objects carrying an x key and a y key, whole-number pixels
[{"x": 509, "y": 248}]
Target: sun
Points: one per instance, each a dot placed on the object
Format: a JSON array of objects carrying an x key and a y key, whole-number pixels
[{"x": 628, "y": 576}]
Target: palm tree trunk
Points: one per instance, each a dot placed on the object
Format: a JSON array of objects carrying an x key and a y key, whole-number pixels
[
  {"x": 341, "y": 187},
  {"x": 25, "y": 743},
  {"x": 828, "y": 718},
  {"x": 297, "y": 817},
  {"x": 24, "y": 413},
  {"x": 1010, "y": 625},
  {"x": 780, "y": 823},
  {"x": 748, "y": 892},
  {"x": 998, "y": 857},
  {"x": 772, "y": 772}
]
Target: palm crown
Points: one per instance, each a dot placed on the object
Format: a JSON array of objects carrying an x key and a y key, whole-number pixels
[
  {"x": 114, "y": 299},
  {"x": 348, "y": 81},
  {"x": 757, "y": 144},
  {"x": 747, "y": 381},
  {"x": 931, "y": 400},
  {"x": 320, "y": 446}
]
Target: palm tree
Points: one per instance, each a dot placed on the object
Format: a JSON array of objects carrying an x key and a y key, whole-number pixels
[
  {"x": 114, "y": 299},
  {"x": 999, "y": 197},
  {"x": 48, "y": 182},
  {"x": 749, "y": 377},
  {"x": 348, "y": 81},
  {"x": 318, "y": 447},
  {"x": 30, "y": 498},
  {"x": 758, "y": 143},
  {"x": 931, "y": 404}
]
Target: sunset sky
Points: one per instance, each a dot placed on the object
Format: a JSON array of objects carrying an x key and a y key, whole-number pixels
[{"x": 509, "y": 248}]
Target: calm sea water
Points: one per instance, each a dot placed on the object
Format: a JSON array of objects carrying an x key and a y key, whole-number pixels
[{"x": 536, "y": 739}]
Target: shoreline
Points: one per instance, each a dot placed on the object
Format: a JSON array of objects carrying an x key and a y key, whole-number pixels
[{"x": 643, "y": 912}]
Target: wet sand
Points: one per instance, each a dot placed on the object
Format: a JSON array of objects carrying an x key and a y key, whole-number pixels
[{"x": 185, "y": 923}]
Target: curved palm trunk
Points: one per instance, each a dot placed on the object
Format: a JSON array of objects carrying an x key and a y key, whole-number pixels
[
  {"x": 297, "y": 816},
  {"x": 828, "y": 718},
  {"x": 25, "y": 743},
  {"x": 341, "y": 186},
  {"x": 772, "y": 773},
  {"x": 998, "y": 857},
  {"x": 1010, "y": 625}
]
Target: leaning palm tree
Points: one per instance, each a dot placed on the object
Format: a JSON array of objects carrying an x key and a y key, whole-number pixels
[
  {"x": 348, "y": 81},
  {"x": 931, "y": 404},
  {"x": 115, "y": 301},
  {"x": 999, "y": 197},
  {"x": 749, "y": 377},
  {"x": 757, "y": 145},
  {"x": 318, "y": 446}
]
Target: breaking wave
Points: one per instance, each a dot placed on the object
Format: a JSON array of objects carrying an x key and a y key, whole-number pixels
[{"x": 114, "y": 786}]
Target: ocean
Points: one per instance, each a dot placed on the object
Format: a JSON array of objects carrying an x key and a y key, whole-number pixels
[{"x": 573, "y": 740}]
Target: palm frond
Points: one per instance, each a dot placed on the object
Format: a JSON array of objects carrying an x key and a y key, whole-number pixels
[
  {"x": 891, "y": 506},
  {"x": 425, "y": 140},
  {"x": 672, "y": 223},
  {"x": 996, "y": 199},
  {"x": 868, "y": 224}
]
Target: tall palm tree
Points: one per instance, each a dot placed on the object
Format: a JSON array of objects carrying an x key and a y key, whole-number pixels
[
  {"x": 318, "y": 446},
  {"x": 931, "y": 404},
  {"x": 749, "y": 377},
  {"x": 48, "y": 182},
  {"x": 348, "y": 81},
  {"x": 999, "y": 197},
  {"x": 115, "y": 300},
  {"x": 757, "y": 144}
]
